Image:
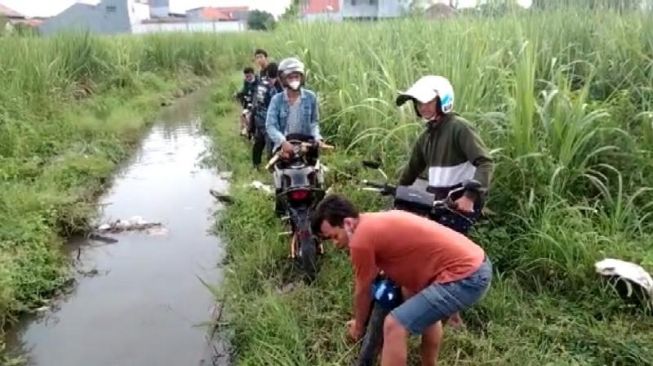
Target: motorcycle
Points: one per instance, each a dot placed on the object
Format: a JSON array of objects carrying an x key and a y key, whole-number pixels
[
  {"x": 246, "y": 115},
  {"x": 301, "y": 190},
  {"x": 385, "y": 294}
]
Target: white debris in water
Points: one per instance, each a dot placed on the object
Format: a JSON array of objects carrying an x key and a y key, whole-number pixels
[
  {"x": 626, "y": 270},
  {"x": 134, "y": 223},
  {"x": 157, "y": 231},
  {"x": 225, "y": 175},
  {"x": 42, "y": 309},
  {"x": 137, "y": 220},
  {"x": 121, "y": 224}
]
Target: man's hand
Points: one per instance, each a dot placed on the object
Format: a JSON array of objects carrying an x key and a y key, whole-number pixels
[
  {"x": 286, "y": 149},
  {"x": 465, "y": 204},
  {"x": 324, "y": 145},
  {"x": 353, "y": 331}
]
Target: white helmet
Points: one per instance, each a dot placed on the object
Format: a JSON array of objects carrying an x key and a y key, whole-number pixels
[
  {"x": 290, "y": 65},
  {"x": 428, "y": 88}
]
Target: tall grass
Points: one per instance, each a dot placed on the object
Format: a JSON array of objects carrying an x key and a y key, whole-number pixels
[{"x": 563, "y": 100}]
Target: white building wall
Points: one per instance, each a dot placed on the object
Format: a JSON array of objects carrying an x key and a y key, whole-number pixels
[
  {"x": 108, "y": 17},
  {"x": 159, "y": 8},
  {"x": 138, "y": 11},
  {"x": 211, "y": 27}
]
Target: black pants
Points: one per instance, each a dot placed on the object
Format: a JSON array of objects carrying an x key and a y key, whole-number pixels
[
  {"x": 259, "y": 146},
  {"x": 251, "y": 123}
]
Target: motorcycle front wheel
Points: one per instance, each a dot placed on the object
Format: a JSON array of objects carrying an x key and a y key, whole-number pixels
[
  {"x": 373, "y": 337},
  {"x": 308, "y": 257}
]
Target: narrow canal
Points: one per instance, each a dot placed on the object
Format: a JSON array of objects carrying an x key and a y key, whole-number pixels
[{"x": 140, "y": 301}]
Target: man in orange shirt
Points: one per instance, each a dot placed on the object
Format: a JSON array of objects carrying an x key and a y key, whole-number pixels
[{"x": 443, "y": 270}]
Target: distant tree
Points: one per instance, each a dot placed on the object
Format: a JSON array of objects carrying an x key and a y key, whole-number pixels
[
  {"x": 498, "y": 7},
  {"x": 419, "y": 5},
  {"x": 416, "y": 8},
  {"x": 293, "y": 10},
  {"x": 260, "y": 20}
]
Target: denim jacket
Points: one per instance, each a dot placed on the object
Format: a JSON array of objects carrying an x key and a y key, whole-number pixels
[
  {"x": 276, "y": 122},
  {"x": 264, "y": 95}
]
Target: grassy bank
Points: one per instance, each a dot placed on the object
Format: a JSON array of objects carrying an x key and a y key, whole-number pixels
[
  {"x": 564, "y": 101},
  {"x": 71, "y": 109}
]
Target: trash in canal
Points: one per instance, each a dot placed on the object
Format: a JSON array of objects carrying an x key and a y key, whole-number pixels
[{"x": 136, "y": 223}]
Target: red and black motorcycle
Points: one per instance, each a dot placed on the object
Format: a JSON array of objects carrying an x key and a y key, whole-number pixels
[{"x": 301, "y": 190}]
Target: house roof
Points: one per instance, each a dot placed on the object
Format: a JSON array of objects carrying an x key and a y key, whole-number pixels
[
  {"x": 33, "y": 22},
  {"x": 321, "y": 6},
  {"x": 220, "y": 13},
  {"x": 233, "y": 9},
  {"x": 226, "y": 9},
  {"x": 213, "y": 14},
  {"x": 10, "y": 13}
]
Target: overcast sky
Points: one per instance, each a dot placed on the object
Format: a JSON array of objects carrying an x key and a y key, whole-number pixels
[
  {"x": 276, "y": 7},
  {"x": 52, "y": 7}
]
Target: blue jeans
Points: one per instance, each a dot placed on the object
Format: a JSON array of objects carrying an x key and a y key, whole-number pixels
[{"x": 439, "y": 301}]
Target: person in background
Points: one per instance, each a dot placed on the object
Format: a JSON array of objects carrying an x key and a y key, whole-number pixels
[
  {"x": 294, "y": 111},
  {"x": 268, "y": 86},
  {"x": 261, "y": 59},
  {"x": 449, "y": 147},
  {"x": 245, "y": 97}
]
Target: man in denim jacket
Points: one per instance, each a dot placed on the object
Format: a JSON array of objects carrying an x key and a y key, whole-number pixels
[{"x": 292, "y": 112}]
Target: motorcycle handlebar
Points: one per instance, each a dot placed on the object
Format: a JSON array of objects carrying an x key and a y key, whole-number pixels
[
  {"x": 447, "y": 202},
  {"x": 383, "y": 188},
  {"x": 300, "y": 146}
]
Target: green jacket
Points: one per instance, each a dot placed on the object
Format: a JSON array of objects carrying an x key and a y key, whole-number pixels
[{"x": 453, "y": 152}]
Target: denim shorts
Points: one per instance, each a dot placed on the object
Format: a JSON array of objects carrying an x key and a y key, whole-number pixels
[{"x": 439, "y": 301}]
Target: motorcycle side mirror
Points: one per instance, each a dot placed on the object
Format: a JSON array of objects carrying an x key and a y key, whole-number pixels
[{"x": 371, "y": 164}]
